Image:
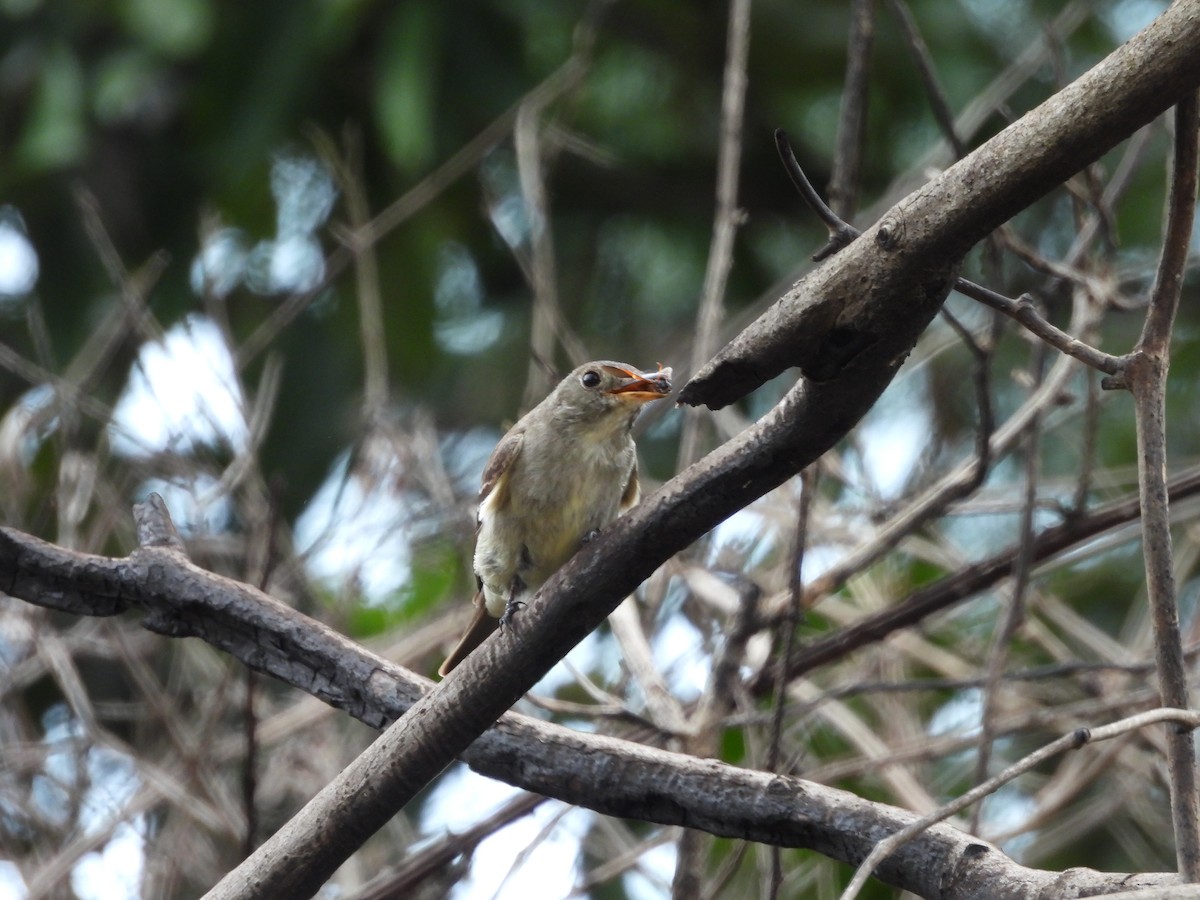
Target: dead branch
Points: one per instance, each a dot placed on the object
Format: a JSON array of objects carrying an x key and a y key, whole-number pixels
[{"x": 607, "y": 774}]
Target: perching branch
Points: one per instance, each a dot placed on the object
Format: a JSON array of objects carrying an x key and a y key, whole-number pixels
[
  {"x": 848, "y": 325},
  {"x": 866, "y": 309},
  {"x": 607, "y": 774}
]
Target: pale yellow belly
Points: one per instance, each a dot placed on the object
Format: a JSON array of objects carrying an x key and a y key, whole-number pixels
[{"x": 550, "y": 510}]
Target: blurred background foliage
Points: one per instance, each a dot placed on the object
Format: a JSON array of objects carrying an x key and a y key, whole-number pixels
[{"x": 221, "y": 162}]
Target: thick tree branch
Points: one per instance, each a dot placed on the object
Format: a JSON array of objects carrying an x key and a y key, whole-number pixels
[
  {"x": 1021, "y": 310},
  {"x": 849, "y": 326},
  {"x": 607, "y": 774},
  {"x": 844, "y": 307}
]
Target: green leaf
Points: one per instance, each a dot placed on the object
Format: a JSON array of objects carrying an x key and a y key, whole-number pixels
[{"x": 404, "y": 89}]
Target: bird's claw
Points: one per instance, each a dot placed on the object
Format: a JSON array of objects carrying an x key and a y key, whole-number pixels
[
  {"x": 510, "y": 610},
  {"x": 591, "y": 536}
]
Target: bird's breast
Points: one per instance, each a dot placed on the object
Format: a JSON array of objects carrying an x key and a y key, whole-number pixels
[{"x": 557, "y": 493}]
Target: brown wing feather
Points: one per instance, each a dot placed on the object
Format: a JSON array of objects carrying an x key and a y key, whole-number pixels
[
  {"x": 493, "y": 490},
  {"x": 498, "y": 466},
  {"x": 633, "y": 489}
]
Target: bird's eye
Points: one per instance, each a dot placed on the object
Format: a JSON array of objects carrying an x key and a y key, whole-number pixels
[{"x": 590, "y": 378}]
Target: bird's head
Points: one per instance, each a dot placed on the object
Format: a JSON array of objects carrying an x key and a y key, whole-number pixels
[{"x": 610, "y": 390}]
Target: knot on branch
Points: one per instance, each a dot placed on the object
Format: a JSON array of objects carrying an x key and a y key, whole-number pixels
[
  {"x": 154, "y": 525},
  {"x": 889, "y": 235}
]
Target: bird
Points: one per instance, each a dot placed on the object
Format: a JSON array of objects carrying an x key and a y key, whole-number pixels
[{"x": 565, "y": 470}]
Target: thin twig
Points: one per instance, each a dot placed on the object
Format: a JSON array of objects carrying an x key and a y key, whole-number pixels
[
  {"x": 1087, "y": 453},
  {"x": 422, "y": 867},
  {"x": 1021, "y": 310},
  {"x": 689, "y": 870},
  {"x": 348, "y": 169},
  {"x": 1051, "y": 672},
  {"x": 940, "y": 105},
  {"x": 1072, "y": 741},
  {"x": 1146, "y": 378},
  {"x": 717, "y": 703},
  {"x": 420, "y": 195},
  {"x": 809, "y": 479},
  {"x": 548, "y": 322},
  {"x": 137, "y": 315},
  {"x": 851, "y": 131},
  {"x": 1015, "y": 614},
  {"x": 726, "y": 217},
  {"x": 967, "y": 581},
  {"x": 983, "y": 395},
  {"x": 542, "y": 269},
  {"x": 841, "y": 233}
]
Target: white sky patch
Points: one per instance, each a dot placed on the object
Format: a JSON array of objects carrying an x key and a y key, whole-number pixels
[
  {"x": 549, "y": 869},
  {"x": 293, "y": 260},
  {"x": 890, "y": 440},
  {"x": 12, "y": 885},
  {"x": 509, "y": 218},
  {"x": 18, "y": 260},
  {"x": 679, "y": 654},
  {"x": 506, "y": 206},
  {"x": 182, "y": 393},
  {"x": 961, "y": 714},
  {"x": 221, "y": 263},
  {"x": 19, "y": 439},
  {"x": 651, "y": 878},
  {"x": 199, "y": 507},
  {"x": 1006, "y": 810},
  {"x": 347, "y": 531},
  {"x": 751, "y": 535},
  {"x": 293, "y": 263},
  {"x": 1127, "y": 17},
  {"x": 304, "y": 197},
  {"x": 595, "y": 652},
  {"x": 114, "y": 872},
  {"x": 114, "y": 780},
  {"x": 819, "y": 559},
  {"x": 462, "y": 325}
]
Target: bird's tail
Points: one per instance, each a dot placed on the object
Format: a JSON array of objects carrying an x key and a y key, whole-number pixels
[{"x": 482, "y": 624}]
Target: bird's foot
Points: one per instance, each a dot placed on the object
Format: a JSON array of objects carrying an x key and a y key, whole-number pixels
[
  {"x": 590, "y": 536},
  {"x": 510, "y": 610}
]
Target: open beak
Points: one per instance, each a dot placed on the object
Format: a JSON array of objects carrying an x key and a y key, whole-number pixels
[{"x": 643, "y": 387}]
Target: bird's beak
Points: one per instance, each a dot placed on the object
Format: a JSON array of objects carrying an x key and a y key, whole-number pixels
[{"x": 642, "y": 387}]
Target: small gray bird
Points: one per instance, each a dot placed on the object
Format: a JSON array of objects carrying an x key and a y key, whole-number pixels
[{"x": 563, "y": 472}]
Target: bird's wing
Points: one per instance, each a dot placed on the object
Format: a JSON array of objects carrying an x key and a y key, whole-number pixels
[
  {"x": 633, "y": 489},
  {"x": 494, "y": 487}
]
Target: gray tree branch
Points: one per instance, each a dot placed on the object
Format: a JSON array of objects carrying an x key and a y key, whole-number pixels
[
  {"x": 607, "y": 774},
  {"x": 849, "y": 326},
  {"x": 843, "y": 308},
  {"x": 1146, "y": 376}
]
